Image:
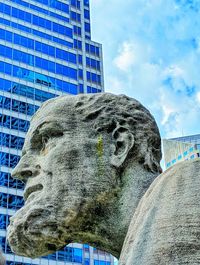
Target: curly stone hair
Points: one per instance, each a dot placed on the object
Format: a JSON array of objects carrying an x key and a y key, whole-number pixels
[{"x": 110, "y": 113}]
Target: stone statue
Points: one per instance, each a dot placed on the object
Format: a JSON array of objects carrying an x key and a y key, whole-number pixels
[{"x": 87, "y": 161}]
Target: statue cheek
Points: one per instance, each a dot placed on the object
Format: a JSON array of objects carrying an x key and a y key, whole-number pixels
[{"x": 62, "y": 158}]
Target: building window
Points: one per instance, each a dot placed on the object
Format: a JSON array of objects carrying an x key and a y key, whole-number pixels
[
  {"x": 179, "y": 157},
  {"x": 168, "y": 164}
]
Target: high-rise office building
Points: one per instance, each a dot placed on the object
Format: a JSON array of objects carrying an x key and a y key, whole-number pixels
[
  {"x": 181, "y": 148},
  {"x": 45, "y": 51}
]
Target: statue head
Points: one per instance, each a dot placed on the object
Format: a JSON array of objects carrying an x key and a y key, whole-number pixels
[{"x": 74, "y": 162}]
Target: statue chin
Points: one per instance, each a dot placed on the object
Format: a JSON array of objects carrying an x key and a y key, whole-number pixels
[
  {"x": 40, "y": 228},
  {"x": 33, "y": 234}
]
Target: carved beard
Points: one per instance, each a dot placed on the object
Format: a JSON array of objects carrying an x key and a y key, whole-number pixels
[
  {"x": 34, "y": 230},
  {"x": 48, "y": 220}
]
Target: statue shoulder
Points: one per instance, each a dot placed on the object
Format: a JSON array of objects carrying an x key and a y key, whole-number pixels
[{"x": 165, "y": 227}]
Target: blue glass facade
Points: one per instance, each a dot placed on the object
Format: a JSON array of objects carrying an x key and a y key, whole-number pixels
[
  {"x": 180, "y": 149},
  {"x": 45, "y": 51}
]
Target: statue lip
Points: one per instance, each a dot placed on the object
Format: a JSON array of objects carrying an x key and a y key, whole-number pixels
[{"x": 29, "y": 190}]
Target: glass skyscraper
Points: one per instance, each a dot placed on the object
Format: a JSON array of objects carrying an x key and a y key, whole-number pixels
[
  {"x": 45, "y": 51},
  {"x": 180, "y": 149}
]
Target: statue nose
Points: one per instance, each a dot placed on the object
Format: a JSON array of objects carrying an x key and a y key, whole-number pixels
[
  {"x": 25, "y": 169},
  {"x": 22, "y": 174}
]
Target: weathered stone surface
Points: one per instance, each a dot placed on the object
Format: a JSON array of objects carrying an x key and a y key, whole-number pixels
[
  {"x": 87, "y": 161},
  {"x": 165, "y": 229},
  {"x": 2, "y": 259}
]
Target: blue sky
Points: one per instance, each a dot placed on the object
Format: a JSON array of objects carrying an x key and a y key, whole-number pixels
[{"x": 152, "y": 53}]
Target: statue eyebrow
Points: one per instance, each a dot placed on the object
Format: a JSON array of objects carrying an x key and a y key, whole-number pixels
[
  {"x": 55, "y": 125},
  {"x": 51, "y": 125}
]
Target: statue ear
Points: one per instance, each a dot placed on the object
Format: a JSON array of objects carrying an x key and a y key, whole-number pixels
[{"x": 124, "y": 141}]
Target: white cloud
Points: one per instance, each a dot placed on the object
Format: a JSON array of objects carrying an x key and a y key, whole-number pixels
[
  {"x": 198, "y": 98},
  {"x": 174, "y": 71},
  {"x": 151, "y": 52},
  {"x": 126, "y": 57},
  {"x": 116, "y": 86}
]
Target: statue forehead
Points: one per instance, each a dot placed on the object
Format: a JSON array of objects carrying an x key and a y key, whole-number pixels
[
  {"x": 59, "y": 112},
  {"x": 57, "y": 106}
]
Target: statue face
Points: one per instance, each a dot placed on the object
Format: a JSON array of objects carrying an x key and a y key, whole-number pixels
[{"x": 63, "y": 165}]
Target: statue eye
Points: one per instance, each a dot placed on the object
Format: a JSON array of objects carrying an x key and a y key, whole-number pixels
[
  {"x": 46, "y": 137},
  {"x": 45, "y": 140}
]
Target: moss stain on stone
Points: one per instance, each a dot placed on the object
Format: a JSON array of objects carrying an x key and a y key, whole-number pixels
[
  {"x": 100, "y": 150},
  {"x": 100, "y": 146}
]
